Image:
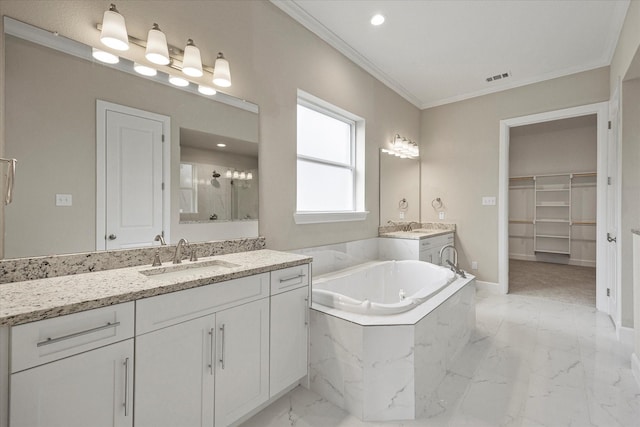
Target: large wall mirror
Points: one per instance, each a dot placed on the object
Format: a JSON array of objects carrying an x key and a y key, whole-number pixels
[
  {"x": 399, "y": 189},
  {"x": 51, "y": 128}
]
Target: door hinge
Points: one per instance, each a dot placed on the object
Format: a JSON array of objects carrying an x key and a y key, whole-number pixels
[
  {"x": 163, "y": 186},
  {"x": 163, "y": 134},
  {"x": 609, "y": 126},
  {"x": 608, "y": 292},
  {"x": 609, "y": 180}
]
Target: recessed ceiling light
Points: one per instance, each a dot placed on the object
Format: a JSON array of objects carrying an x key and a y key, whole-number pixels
[
  {"x": 221, "y": 145},
  {"x": 377, "y": 20}
]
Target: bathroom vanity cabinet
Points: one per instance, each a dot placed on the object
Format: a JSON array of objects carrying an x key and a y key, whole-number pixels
[
  {"x": 206, "y": 356},
  {"x": 416, "y": 247},
  {"x": 74, "y": 370}
]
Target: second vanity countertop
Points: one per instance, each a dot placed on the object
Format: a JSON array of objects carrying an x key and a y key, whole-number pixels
[
  {"x": 417, "y": 234},
  {"x": 29, "y": 301}
]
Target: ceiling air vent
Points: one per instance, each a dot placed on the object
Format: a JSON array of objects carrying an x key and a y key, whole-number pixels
[{"x": 498, "y": 77}]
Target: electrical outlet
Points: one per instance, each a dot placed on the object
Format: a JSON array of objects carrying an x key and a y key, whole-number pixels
[
  {"x": 401, "y": 215},
  {"x": 440, "y": 215},
  {"x": 489, "y": 201},
  {"x": 64, "y": 200},
  {"x": 474, "y": 265}
]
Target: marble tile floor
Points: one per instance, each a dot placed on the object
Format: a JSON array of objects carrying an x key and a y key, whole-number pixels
[{"x": 531, "y": 362}]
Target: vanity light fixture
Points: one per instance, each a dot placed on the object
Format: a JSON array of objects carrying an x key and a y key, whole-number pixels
[
  {"x": 106, "y": 57},
  {"x": 178, "y": 81},
  {"x": 236, "y": 175},
  {"x": 403, "y": 148},
  {"x": 206, "y": 90},
  {"x": 192, "y": 62},
  {"x": 228, "y": 174},
  {"x": 221, "y": 72},
  {"x": 157, "y": 50},
  {"x": 249, "y": 175},
  {"x": 114, "y": 30},
  {"x": 243, "y": 175},
  {"x": 144, "y": 70}
]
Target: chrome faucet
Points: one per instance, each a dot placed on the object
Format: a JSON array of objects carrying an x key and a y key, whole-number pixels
[
  {"x": 409, "y": 226},
  {"x": 454, "y": 264},
  {"x": 160, "y": 238},
  {"x": 177, "y": 257}
]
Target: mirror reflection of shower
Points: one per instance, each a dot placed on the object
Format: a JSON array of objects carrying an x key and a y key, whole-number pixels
[{"x": 218, "y": 178}]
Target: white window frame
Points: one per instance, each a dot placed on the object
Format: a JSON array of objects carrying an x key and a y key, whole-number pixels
[{"x": 357, "y": 125}]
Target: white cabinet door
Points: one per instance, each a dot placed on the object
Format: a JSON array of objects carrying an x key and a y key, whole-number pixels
[
  {"x": 289, "y": 320},
  {"x": 175, "y": 375},
  {"x": 242, "y": 365},
  {"x": 90, "y": 389}
]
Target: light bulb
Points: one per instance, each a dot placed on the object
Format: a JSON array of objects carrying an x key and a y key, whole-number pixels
[
  {"x": 192, "y": 63},
  {"x": 157, "y": 50},
  {"x": 221, "y": 72},
  {"x": 144, "y": 70},
  {"x": 206, "y": 90},
  {"x": 178, "y": 81},
  {"x": 114, "y": 30},
  {"x": 106, "y": 57}
]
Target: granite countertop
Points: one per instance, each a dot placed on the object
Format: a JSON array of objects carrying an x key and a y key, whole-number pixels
[
  {"x": 417, "y": 234},
  {"x": 32, "y": 300}
]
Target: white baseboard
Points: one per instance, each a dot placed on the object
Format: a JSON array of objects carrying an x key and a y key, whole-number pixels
[
  {"x": 635, "y": 367},
  {"x": 572, "y": 261},
  {"x": 491, "y": 287},
  {"x": 626, "y": 336}
]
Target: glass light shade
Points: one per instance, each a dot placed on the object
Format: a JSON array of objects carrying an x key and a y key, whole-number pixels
[
  {"x": 243, "y": 175},
  {"x": 206, "y": 90},
  {"x": 144, "y": 70},
  {"x": 178, "y": 81},
  {"x": 249, "y": 175},
  {"x": 228, "y": 174},
  {"x": 221, "y": 72},
  {"x": 114, "y": 30},
  {"x": 236, "y": 175},
  {"x": 192, "y": 62},
  {"x": 106, "y": 57},
  {"x": 157, "y": 50}
]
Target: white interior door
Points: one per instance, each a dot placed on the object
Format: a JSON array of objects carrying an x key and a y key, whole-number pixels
[
  {"x": 133, "y": 179},
  {"x": 612, "y": 207}
]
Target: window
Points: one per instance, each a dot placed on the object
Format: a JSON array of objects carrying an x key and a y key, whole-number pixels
[
  {"x": 330, "y": 175},
  {"x": 188, "y": 188}
]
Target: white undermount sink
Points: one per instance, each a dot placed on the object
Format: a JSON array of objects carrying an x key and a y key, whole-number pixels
[{"x": 177, "y": 271}]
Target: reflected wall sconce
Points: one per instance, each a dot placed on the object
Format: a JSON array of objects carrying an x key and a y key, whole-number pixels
[
  {"x": 238, "y": 175},
  {"x": 188, "y": 61},
  {"x": 403, "y": 148}
]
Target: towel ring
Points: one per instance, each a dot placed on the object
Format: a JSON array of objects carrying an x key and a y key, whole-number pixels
[
  {"x": 436, "y": 203},
  {"x": 403, "y": 205}
]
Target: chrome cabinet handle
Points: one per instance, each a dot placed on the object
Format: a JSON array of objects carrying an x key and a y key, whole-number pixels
[
  {"x": 11, "y": 177},
  {"x": 77, "y": 334},
  {"x": 212, "y": 337},
  {"x": 288, "y": 279},
  {"x": 126, "y": 387},
  {"x": 306, "y": 311},
  {"x": 222, "y": 346}
]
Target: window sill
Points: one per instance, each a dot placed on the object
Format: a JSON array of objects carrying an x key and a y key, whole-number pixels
[{"x": 323, "y": 217}]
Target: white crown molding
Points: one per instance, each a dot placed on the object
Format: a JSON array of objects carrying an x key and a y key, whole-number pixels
[
  {"x": 291, "y": 8},
  {"x": 300, "y": 15}
]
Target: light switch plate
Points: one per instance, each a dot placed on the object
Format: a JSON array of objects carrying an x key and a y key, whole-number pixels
[
  {"x": 489, "y": 201},
  {"x": 401, "y": 215},
  {"x": 440, "y": 215},
  {"x": 64, "y": 199}
]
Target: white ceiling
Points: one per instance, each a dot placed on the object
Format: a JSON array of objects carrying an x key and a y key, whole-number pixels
[{"x": 433, "y": 52}]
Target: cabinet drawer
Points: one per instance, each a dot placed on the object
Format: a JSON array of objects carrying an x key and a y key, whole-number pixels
[
  {"x": 176, "y": 307},
  {"x": 47, "y": 340},
  {"x": 436, "y": 242},
  {"x": 289, "y": 278}
]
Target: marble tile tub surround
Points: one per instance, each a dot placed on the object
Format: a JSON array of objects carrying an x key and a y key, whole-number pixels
[
  {"x": 530, "y": 362},
  {"x": 391, "y": 372},
  {"x": 21, "y": 269},
  {"x": 28, "y": 301}
]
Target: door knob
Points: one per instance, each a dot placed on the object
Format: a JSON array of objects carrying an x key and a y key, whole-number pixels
[{"x": 112, "y": 237}]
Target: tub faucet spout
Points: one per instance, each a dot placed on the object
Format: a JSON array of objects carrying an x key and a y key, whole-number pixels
[{"x": 454, "y": 265}]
